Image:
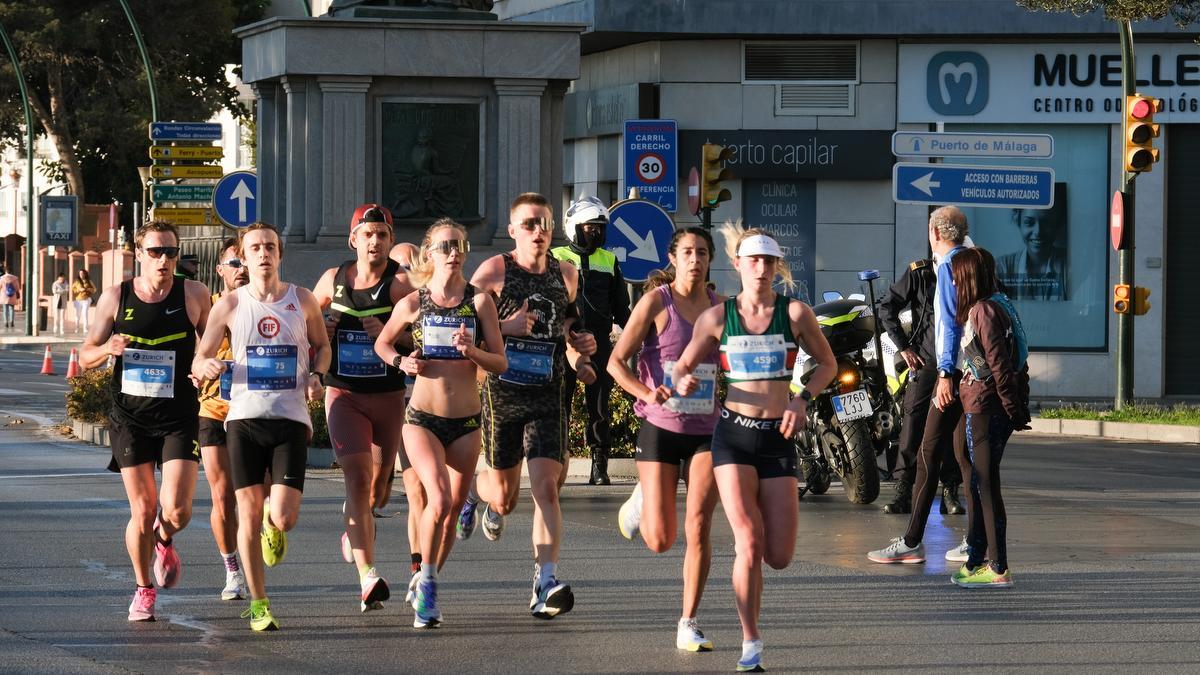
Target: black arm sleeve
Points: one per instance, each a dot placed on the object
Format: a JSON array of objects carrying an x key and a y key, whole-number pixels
[
  {"x": 619, "y": 296},
  {"x": 898, "y": 296}
]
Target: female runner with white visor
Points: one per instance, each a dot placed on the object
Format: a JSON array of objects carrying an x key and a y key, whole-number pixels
[
  {"x": 454, "y": 329},
  {"x": 754, "y": 461}
]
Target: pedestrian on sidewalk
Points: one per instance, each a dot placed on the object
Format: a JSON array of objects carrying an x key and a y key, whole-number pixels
[
  {"x": 82, "y": 291},
  {"x": 10, "y": 296},
  {"x": 995, "y": 399},
  {"x": 60, "y": 289}
]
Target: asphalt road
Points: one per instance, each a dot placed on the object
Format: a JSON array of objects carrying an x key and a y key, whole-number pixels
[{"x": 1104, "y": 540}]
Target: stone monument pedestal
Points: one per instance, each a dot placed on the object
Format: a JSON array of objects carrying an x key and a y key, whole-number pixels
[{"x": 429, "y": 118}]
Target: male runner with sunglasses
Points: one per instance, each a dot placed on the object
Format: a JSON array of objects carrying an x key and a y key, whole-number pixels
[
  {"x": 214, "y": 406},
  {"x": 364, "y": 398},
  {"x": 523, "y": 417},
  {"x": 149, "y": 324}
]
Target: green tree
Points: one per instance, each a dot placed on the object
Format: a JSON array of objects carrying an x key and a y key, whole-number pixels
[
  {"x": 88, "y": 84},
  {"x": 1184, "y": 12}
]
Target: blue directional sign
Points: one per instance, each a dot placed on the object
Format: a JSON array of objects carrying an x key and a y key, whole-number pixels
[
  {"x": 652, "y": 161},
  {"x": 185, "y": 131},
  {"x": 235, "y": 198},
  {"x": 966, "y": 185},
  {"x": 639, "y": 232},
  {"x": 953, "y": 144}
]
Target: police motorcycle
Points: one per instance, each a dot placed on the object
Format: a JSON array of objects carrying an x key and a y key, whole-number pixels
[{"x": 854, "y": 420}]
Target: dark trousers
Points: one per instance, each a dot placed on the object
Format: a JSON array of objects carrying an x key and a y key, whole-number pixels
[
  {"x": 917, "y": 397},
  {"x": 987, "y": 436},
  {"x": 598, "y": 434},
  {"x": 939, "y": 425}
]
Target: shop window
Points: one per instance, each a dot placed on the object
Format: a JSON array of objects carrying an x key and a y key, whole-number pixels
[
  {"x": 810, "y": 78},
  {"x": 1055, "y": 261}
]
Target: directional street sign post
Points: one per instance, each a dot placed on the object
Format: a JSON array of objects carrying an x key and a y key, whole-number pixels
[
  {"x": 950, "y": 144},
  {"x": 185, "y": 216},
  {"x": 651, "y": 150},
  {"x": 235, "y": 198},
  {"x": 180, "y": 152},
  {"x": 181, "y": 193},
  {"x": 638, "y": 234},
  {"x": 185, "y": 131},
  {"x": 968, "y": 185},
  {"x": 198, "y": 171}
]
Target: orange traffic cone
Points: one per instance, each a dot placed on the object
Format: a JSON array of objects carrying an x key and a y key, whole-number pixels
[
  {"x": 48, "y": 363},
  {"x": 73, "y": 364}
]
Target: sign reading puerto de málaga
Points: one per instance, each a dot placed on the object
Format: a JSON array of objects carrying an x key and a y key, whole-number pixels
[{"x": 1042, "y": 83}]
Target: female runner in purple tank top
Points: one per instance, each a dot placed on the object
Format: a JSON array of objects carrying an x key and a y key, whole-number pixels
[{"x": 676, "y": 431}]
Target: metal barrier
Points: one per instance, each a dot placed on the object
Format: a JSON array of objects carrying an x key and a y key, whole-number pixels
[{"x": 205, "y": 243}]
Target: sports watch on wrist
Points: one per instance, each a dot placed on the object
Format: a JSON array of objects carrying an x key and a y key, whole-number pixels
[{"x": 806, "y": 395}]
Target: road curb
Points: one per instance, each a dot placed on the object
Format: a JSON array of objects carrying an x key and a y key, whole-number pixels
[{"x": 1127, "y": 431}]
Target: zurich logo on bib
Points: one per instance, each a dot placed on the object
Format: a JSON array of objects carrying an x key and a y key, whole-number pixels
[{"x": 957, "y": 83}]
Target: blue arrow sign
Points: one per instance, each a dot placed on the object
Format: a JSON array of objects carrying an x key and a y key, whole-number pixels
[
  {"x": 235, "y": 198},
  {"x": 965, "y": 185},
  {"x": 185, "y": 131},
  {"x": 638, "y": 233},
  {"x": 651, "y": 150}
]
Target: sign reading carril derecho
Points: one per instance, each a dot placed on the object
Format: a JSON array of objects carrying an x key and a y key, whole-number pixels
[
  {"x": 1044, "y": 84},
  {"x": 429, "y": 160}
]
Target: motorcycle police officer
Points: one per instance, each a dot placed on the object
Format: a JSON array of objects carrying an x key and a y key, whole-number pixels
[
  {"x": 603, "y": 301},
  {"x": 915, "y": 290}
]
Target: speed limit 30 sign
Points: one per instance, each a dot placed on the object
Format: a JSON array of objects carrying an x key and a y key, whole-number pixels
[{"x": 651, "y": 161}]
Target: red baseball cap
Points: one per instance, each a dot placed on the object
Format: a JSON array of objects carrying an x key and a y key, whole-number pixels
[{"x": 368, "y": 214}]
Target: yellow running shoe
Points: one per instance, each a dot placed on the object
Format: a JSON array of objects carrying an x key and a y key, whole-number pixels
[
  {"x": 260, "y": 616},
  {"x": 274, "y": 540}
]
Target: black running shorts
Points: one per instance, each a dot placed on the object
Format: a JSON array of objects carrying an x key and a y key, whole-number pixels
[
  {"x": 753, "y": 442},
  {"x": 655, "y": 444},
  {"x": 132, "y": 447},
  {"x": 212, "y": 432},
  {"x": 256, "y": 446}
]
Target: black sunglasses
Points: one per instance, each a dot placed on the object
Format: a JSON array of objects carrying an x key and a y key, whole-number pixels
[
  {"x": 171, "y": 252},
  {"x": 235, "y": 263}
]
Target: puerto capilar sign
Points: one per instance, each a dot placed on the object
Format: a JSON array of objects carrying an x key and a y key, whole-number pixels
[{"x": 1048, "y": 84}]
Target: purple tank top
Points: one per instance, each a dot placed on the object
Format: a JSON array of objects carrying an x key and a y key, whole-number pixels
[{"x": 696, "y": 414}]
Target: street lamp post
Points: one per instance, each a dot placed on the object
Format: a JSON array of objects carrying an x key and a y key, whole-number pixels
[{"x": 31, "y": 233}]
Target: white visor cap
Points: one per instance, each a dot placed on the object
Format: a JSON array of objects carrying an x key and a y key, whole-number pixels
[{"x": 759, "y": 244}]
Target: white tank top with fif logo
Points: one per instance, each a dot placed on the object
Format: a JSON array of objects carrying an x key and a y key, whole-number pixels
[{"x": 270, "y": 359}]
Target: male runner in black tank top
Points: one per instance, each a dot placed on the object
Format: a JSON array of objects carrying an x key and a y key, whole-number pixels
[
  {"x": 150, "y": 324},
  {"x": 523, "y": 417},
  {"x": 364, "y": 398}
]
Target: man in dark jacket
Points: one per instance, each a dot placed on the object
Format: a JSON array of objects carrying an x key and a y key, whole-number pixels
[
  {"x": 603, "y": 301},
  {"x": 915, "y": 291}
]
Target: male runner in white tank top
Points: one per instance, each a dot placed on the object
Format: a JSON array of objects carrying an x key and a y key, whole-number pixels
[{"x": 271, "y": 326}]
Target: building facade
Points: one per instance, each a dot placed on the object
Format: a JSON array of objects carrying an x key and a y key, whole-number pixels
[{"x": 808, "y": 94}]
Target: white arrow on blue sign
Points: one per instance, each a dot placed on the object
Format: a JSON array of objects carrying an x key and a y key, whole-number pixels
[
  {"x": 952, "y": 144},
  {"x": 235, "y": 198},
  {"x": 185, "y": 131},
  {"x": 967, "y": 185},
  {"x": 639, "y": 232}
]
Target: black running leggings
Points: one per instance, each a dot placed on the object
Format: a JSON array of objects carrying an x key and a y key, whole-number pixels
[
  {"x": 938, "y": 425},
  {"x": 987, "y": 435}
]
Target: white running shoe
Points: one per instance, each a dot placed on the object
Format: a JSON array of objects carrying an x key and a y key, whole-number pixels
[
  {"x": 493, "y": 524},
  {"x": 374, "y": 591},
  {"x": 959, "y": 553},
  {"x": 898, "y": 552},
  {"x": 629, "y": 518},
  {"x": 235, "y": 586},
  {"x": 751, "y": 661},
  {"x": 551, "y": 599},
  {"x": 410, "y": 597},
  {"x": 689, "y": 638}
]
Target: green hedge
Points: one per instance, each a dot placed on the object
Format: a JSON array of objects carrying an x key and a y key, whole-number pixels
[{"x": 90, "y": 398}]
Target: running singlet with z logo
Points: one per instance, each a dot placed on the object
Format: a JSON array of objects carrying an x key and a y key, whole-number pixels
[{"x": 538, "y": 359}]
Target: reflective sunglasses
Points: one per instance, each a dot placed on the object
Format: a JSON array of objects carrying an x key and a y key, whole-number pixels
[
  {"x": 530, "y": 224},
  {"x": 235, "y": 263},
  {"x": 171, "y": 252},
  {"x": 445, "y": 246}
]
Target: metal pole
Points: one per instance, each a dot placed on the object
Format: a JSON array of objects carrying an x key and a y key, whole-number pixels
[
  {"x": 137, "y": 34},
  {"x": 1125, "y": 254},
  {"x": 30, "y": 240}
]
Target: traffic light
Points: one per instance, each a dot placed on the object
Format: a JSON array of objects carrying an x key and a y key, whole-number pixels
[
  {"x": 1122, "y": 300},
  {"x": 712, "y": 173},
  {"x": 1140, "y": 132},
  {"x": 1141, "y": 300}
]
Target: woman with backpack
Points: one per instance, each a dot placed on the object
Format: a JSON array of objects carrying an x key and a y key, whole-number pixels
[
  {"x": 81, "y": 292},
  {"x": 995, "y": 397},
  {"x": 10, "y": 296}
]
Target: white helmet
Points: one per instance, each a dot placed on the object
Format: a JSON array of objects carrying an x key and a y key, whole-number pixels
[{"x": 586, "y": 209}]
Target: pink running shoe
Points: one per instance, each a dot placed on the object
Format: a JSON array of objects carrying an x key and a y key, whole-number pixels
[
  {"x": 347, "y": 552},
  {"x": 142, "y": 607},
  {"x": 167, "y": 567}
]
